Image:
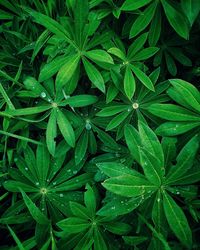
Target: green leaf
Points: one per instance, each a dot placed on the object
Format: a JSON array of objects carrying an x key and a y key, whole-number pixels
[
  {"x": 176, "y": 19},
  {"x": 129, "y": 83},
  {"x": 137, "y": 45},
  {"x": 118, "y": 53},
  {"x": 114, "y": 169},
  {"x": 129, "y": 186},
  {"x": 134, "y": 240},
  {"x": 143, "y": 20},
  {"x": 133, "y": 141},
  {"x": 175, "y": 128},
  {"x": 79, "y": 210},
  {"x": 42, "y": 163},
  {"x": 48, "y": 23},
  {"x": 73, "y": 225},
  {"x": 134, "y": 5},
  {"x": 26, "y": 111},
  {"x": 185, "y": 160},
  {"x": 110, "y": 111},
  {"x": 67, "y": 70},
  {"x": 118, "y": 228},
  {"x": 51, "y": 68},
  {"x": 99, "y": 242},
  {"x": 35, "y": 212},
  {"x": 98, "y": 55},
  {"x": 191, "y": 9},
  {"x": 16, "y": 239},
  {"x": 90, "y": 199},
  {"x": 94, "y": 75},
  {"x": 117, "y": 120},
  {"x": 173, "y": 112},
  {"x": 150, "y": 142},
  {"x": 188, "y": 92},
  {"x": 66, "y": 128},
  {"x": 51, "y": 132},
  {"x": 144, "y": 79},
  {"x": 81, "y": 147},
  {"x": 177, "y": 220},
  {"x": 145, "y": 54},
  {"x": 151, "y": 167},
  {"x": 155, "y": 27},
  {"x": 81, "y": 100}
]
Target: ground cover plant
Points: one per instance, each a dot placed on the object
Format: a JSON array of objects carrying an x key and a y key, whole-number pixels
[{"x": 100, "y": 124}]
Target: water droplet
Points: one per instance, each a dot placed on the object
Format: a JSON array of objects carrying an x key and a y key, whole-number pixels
[
  {"x": 122, "y": 202},
  {"x": 15, "y": 159},
  {"x": 75, "y": 172},
  {"x": 117, "y": 155},
  {"x": 129, "y": 109},
  {"x": 37, "y": 183},
  {"x": 54, "y": 183},
  {"x": 69, "y": 170},
  {"x": 113, "y": 207},
  {"x": 43, "y": 209},
  {"x": 61, "y": 195},
  {"x": 158, "y": 200},
  {"x": 43, "y": 95},
  {"x": 26, "y": 169},
  {"x": 177, "y": 192}
]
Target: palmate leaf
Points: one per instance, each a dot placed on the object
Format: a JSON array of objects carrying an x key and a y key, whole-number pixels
[{"x": 177, "y": 220}]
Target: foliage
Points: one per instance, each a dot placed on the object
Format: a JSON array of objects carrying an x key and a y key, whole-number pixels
[{"x": 100, "y": 124}]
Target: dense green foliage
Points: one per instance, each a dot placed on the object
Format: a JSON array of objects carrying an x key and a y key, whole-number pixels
[{"x": 100, "y": 124}]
